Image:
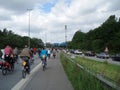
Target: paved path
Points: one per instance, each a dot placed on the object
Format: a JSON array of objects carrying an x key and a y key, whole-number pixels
[{"x": 53, "y": 78}]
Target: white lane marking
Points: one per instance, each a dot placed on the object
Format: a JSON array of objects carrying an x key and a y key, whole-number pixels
[{"x": 24, "y": 82}]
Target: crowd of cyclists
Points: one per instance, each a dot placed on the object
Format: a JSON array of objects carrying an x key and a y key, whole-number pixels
[{"x": 11, "y": 56}]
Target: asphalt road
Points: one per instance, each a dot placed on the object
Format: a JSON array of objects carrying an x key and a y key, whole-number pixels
[
  {"x": 98, "y": 59},
  {"x": 102, "y": 60},
  {"x": 53, "y": 78},
  {"x": 12, "y": 78}
]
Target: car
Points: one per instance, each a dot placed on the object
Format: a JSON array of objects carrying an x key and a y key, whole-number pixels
[
  {"x": 77, "y": 52},
  {"x": 116, "y": 57},
  {"x": 102, "y": 55},
  {"x": 72, "y": 51},
  {"x": 89, "y": 53}
]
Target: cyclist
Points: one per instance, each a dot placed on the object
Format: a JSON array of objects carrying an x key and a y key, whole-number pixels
[
  {"x": 49, "y": 52},
  {"x": 25, "y": 55},
  {"x": 44, "y": 52},
  {"x": 15, "y": 54},
  {"x": 34, "y": 49},
  {"x": 31, "y": 55},
  {"x": 8, "y": 53},
  {"x": 54, "y": 53}
]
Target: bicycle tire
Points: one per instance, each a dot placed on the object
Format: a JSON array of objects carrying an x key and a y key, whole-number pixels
[
  {"x": 43, "y": 67},
  {"x": 12, "y": 67},
  {"x": 23, "y": 74},
  {"x": 4, "y": 71}
]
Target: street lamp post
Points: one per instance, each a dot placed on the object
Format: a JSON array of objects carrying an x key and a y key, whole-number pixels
[
  {"x": 29, "y": 28},
  {"x": 66, "y": 35}
]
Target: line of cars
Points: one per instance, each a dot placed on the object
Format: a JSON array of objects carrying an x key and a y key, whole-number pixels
[
  {"x": 102, "y": 55},
  {"x": 77, "y": 52},
  {"x": 115, "y": 57},
  {"x": 90, "y": 53}
]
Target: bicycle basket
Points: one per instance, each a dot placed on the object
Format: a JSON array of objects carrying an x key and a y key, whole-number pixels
[
  {"x": 43, "y": 56},
  {"x": 23, "y": 63}
]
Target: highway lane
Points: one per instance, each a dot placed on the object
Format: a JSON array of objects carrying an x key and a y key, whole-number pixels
[
  {"x": 12, "y": 78},
  {"x": 102, "y": 60},
  {"x": 98, "y": 59}
]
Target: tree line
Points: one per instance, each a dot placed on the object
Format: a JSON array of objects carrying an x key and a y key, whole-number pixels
[
  {"x": 7, "y": 37},
  {"x": 106, "y": 35}
]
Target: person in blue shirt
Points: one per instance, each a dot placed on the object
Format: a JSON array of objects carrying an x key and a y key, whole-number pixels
[{"x": 44, "y": 53}]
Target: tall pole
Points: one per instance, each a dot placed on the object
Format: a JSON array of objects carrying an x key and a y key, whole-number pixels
[
  {"x": 45, "y": 39},
  {"x": 29, "y": 28},
  {"x": 66, "y": 35}
]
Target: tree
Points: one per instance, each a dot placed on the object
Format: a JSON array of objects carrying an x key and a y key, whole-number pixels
[
  {"x": 14, "y": 40},
  {"x": 78, "y": 40},
  {"x": 108, "y": 34}
]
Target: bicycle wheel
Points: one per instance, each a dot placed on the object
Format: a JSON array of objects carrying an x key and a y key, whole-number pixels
[
  {"x": 28, "y": 70},
  {"x": 12, "y": 67},
  {"x": 23, "y": 73},
  {"x": 4, "y": 70},
  {"x": 44, "y": 66}
]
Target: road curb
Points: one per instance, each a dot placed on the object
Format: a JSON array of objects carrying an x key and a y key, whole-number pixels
[{"x": 22, "y": 83}]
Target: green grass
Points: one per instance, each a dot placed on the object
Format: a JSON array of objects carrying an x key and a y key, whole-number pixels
[
  {"x": 80, "y": 79},
  {"x": 110, "y": 71}
]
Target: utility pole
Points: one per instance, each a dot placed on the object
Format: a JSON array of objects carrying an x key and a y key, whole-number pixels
[
  {"x": 66, "y": 35},
  {"x": 45, "y": 39},
  {"x": 29, "y": 28}
]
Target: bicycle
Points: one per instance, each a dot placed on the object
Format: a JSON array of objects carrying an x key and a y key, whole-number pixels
[
  {"x": 7, "y": 67},
  {"x": 25, "y": 67},
  {"x": 44, "y": 62}
]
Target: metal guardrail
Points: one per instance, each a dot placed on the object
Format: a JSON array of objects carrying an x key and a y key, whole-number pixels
[{"x": 98, "y": 76}]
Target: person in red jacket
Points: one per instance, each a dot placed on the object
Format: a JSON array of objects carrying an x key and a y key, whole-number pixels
[
  {"x": 34, "y": 49},
  {"x": 8, "y": 53}
]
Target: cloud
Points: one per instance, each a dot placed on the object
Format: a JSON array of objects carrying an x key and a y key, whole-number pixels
[
  {"x": 20, "y": 6},
  {"x": 5, "y": 15},
  {"x": 114, "y": 5},
  {"x": 49, "y": 17}
]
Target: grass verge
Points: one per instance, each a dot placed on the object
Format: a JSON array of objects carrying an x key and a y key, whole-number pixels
[
  {"x": 109, "y": 71},
  {"x": 80, "y": 79}
]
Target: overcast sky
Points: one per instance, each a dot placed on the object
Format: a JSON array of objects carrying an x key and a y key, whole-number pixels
[{"x": 49, "y": 17}]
